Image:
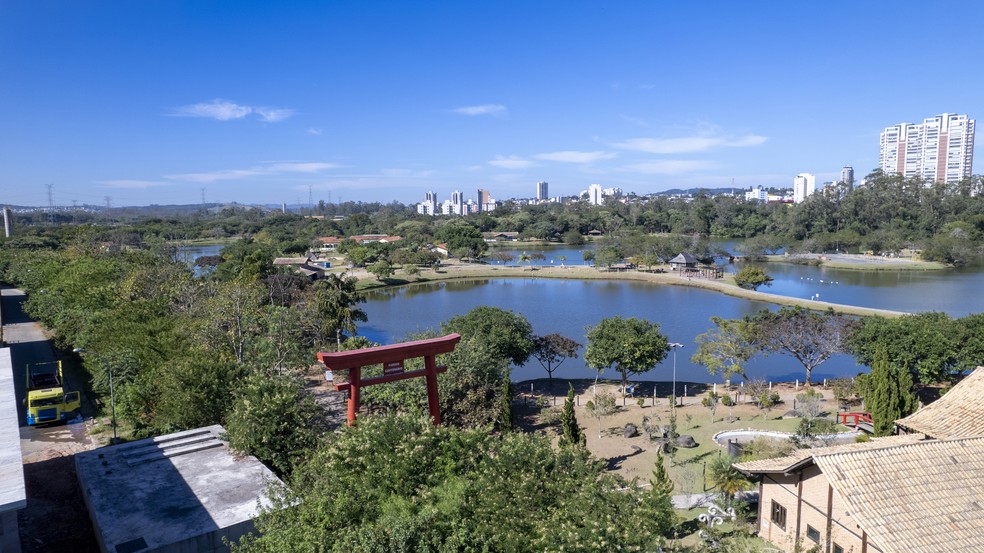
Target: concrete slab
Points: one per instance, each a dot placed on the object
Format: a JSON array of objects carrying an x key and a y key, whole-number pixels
[
  {"x": 179, "y": 492},
  {"x": 13, "y": 494}
]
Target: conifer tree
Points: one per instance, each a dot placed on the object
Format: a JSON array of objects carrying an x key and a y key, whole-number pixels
[
  {"x": 572, "y": 430},
  {"x": 890, "y": 397},
  {"x": 505, "y": 405}
]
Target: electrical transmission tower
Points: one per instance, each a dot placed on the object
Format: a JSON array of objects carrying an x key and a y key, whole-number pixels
[{"x": 51, "y": 204}]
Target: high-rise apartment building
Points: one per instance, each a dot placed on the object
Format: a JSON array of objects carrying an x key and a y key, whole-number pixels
[
  {"x": 803, "y": 185},
  {"x": 847, "y": 176},
  {"x": 595, "y": 194},
  {"x": 541, "y": 191},
  {"x": 429, "y": 206},
  {"x": 941, "y": 149},
  {"x": 483, "y": 198}
]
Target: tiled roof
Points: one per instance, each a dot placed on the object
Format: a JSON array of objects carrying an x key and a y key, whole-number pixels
[
  {"x": 923, "y": 497},
  {"x": 803, "y": 456},
  {"x": 958, "y": 414}
]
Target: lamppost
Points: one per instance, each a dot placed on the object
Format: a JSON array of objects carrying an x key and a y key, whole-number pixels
[
  {"x": 674, "y": 346},
  {"x": 112, "y": 390}
]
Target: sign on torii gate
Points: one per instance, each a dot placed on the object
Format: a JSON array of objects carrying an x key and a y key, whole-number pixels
[{"x": 392, "y": 359}]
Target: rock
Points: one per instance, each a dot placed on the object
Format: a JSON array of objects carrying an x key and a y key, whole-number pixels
[
  {"x": 630, "y": 431},
  {"x": 686, "y": 440}
]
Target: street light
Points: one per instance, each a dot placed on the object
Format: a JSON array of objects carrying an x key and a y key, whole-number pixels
[
  {"x": 112, "y": 390},
  {"x": 674, "y": 347}
]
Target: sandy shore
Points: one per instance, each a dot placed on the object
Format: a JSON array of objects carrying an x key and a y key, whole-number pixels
[{"x": 859, "y": 262}]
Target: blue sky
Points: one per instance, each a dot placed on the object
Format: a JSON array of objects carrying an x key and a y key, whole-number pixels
[{"x": 152, "y": 101}]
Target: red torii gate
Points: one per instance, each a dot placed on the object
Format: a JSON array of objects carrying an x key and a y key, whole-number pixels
[{"x": 392, "y": 358}]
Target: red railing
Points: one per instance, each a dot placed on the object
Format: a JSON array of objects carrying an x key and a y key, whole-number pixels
[{"x": 858, "y": 418}]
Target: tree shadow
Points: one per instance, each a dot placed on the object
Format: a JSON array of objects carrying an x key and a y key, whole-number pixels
[{"x": 615, "y": 463}]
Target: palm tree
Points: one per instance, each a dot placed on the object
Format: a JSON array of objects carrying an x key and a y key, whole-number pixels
[{"x": 726, "y": 478}]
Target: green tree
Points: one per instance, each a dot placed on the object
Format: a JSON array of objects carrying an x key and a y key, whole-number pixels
[
  {"x": 890, "y": 396},
  {"x": 632, "y": 346},
  {"x": 400, "y": 484},
  {"x": 275, "y": 419},
  {"x": 711, "y": 401},
  {"x": 332, "y": 310},
  {"x": 809, "y": 337},
  {"x": 382, "y": 270},
  {"x": 927, "y": 343},
  {"x": 751, "y": 277},
  {"x": 552, "y": 350},
  {"x": 725, "y": 349},
  {"x": 572, "y": 430},
  {"x": 508, "y": 335},
  {"x": 505, "y": 405}
]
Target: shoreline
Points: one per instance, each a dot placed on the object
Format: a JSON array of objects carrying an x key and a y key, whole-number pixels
[
  {"x": 858, "y": 262},
  {"x": 584, "y": 272}
]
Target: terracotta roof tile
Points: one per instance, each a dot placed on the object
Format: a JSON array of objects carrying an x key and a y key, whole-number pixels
[{"x": 958, "y": 414}]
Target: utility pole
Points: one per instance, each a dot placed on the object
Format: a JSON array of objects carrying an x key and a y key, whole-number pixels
[{"x": 203, "y": 196}]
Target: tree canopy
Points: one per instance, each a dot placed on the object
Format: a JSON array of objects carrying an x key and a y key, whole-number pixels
[{"x": 632, "y": 346}]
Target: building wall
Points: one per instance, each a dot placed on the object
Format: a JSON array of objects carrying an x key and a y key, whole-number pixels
[
  {"x": 810, "y": 502},
  {"x": 940, "y": 149}
]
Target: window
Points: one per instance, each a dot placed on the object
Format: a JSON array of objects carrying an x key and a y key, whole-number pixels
[
  {"x": 779, "y": 515},
  {"x": 813, "y": 533},
  {"x": 838, "y": 549}
]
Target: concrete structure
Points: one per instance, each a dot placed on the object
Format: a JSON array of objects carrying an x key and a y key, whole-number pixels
[
  {"x": 176, "y": 493},
  {"x": 941, "y": 149},
  {"x": 541, "y": 191},
  {"x": 912, "y": 493},
  {"x": 595, "y": 194},
  {"x": 757, "y": 194},
  {"x": 803, "y": 185},
  {"x": 13, "y": 493},
  {"x": 847, "y": 176}
]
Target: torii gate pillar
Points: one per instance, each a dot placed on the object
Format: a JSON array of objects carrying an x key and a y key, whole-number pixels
[{"x": 392, "y": 359}]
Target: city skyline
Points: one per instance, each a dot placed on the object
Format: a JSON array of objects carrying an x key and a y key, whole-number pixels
[{"x": 174, "y": 103}]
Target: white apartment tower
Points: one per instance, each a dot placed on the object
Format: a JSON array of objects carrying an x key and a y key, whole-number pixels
[
  {"x": 541, "y": 191},
  {"x": 595, "y": 194},
  {"x": 941, "y": 149},
  {"x": 803, "y": 185},
  {"x": 429, "y": 206}
]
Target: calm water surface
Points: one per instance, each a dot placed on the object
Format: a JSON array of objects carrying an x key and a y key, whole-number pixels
[{"x": 569, "y": 307}]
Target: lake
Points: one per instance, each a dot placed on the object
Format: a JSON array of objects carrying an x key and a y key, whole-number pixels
[{"x": 570, "y": 306}]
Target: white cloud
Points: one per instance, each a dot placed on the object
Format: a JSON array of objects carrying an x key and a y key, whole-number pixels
[
  {"x": 136, "y": 184},
  {"x": 277, "y": 168},
  {"x": 484, "y": 109},
  {"x": 670, "y": 166},
  {"x": 572, "y": 156},
  {"x": 272, "y": 115},
  {"x": 300, "y": 167},
  {"x": 224, "y": 110},
  {"x": 688, "y": 144},
  {"x": 315, "y": 131},
  {"x": 511, "y": 162},
  {"x": 215, "y": 176}
]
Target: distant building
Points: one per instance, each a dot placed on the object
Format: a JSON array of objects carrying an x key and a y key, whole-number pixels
[
  {"x": 941, "y": 149},
  {"x": 8, "y": 222},
  {"x": 757, "y": 194},
  {"x": 847, "y": 176},
  {"x": 595, "y": 195},
  {"x": 429, "y": 206},
  {"x": 484, "y": 198},
  {"x": 803, "y": 185},
  {"x": 541, "y": 191}
]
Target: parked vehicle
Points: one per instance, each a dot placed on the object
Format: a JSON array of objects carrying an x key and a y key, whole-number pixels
[{"x": 46, "y": 400}]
